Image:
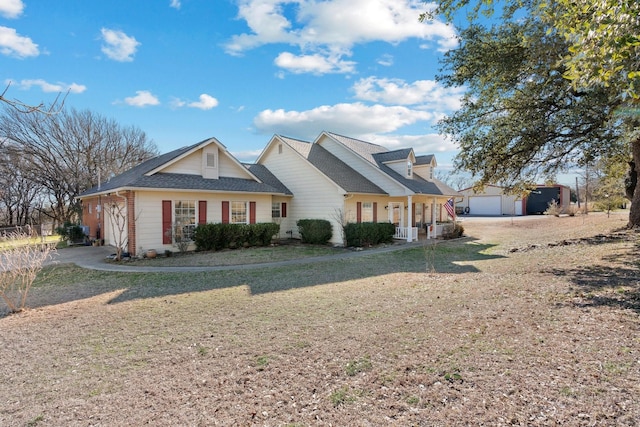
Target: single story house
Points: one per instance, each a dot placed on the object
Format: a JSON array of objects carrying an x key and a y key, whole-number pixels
[
  {"x": 152, "y": 203},
  {"x": 335, "y": 177}
]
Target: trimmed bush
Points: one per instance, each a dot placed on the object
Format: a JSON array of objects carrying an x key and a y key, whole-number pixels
[
  {"x": 368, "y": 233},
  {"x": 315, "y": 231},
  {"x": 71, "y": 232},
  {"x": 213, "y": 237}
]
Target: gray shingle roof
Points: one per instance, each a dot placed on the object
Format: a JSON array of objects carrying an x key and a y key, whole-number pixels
[
  {"x": 391, "y": 156},
  {"x": 302, "y": 147},
  {"x": 419, "y": 185},
  {"x": 378, "y": 155},
  {"x": 424, "y": 159},
  {"x": 136, "y": 178},
  {"x": 267, "y": 177},
  {"x": 333, "y": 168},
  {"x": 363, "y": 148}
]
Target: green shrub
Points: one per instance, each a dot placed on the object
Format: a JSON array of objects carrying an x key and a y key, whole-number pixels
[
  {"x": 368, "y": 233},
  {"x": 315, "y": 231},
  {"x": 70, "y": 231},
  {"x": 213, "y": 237}
]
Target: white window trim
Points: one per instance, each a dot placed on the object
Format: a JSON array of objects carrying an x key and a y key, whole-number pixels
[{"x": 246, "y": 211}]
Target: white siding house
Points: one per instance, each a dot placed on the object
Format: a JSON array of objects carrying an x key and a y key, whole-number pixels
[
  {"x": 202, "y": 183},
  {"x": 342, "y": 179},
  {"x": 337, "y": 178}
]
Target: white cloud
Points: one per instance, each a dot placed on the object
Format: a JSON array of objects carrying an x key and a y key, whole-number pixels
[
  {"x": 48, "y": 87},
  {"x": 349, "y": 119},
  {"x": 335, "y": 26},
  {"x": 206, "y": 102},
  {"x": 176, "y": 4},
  {"x": 13, "y": 44},
  {"x": 425, "y": 93},
  {"x": 142, "y": 99},
  {"x": 316, "y": 63},
  {"x": 377, "y": 124},
  {"x": 118, "y": 46},
  {"x": 11, "y": 8},
  {"x": 385, "y": 60}
]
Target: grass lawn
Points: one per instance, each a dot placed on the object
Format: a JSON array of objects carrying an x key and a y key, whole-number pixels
[{"x": 521, "y": 323}]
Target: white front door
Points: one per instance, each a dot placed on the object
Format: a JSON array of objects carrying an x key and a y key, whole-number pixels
[{"x": 396, "y": 213}]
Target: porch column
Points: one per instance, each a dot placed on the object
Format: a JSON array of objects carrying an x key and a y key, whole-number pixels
[
  {"x": 433, "y": 219},
  {"x": 409, "y": 217}
]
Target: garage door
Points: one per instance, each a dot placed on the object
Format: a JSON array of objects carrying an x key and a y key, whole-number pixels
[{"x": 485, "y": 205}]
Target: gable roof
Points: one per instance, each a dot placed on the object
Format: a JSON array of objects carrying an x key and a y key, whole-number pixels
[
  {"x": 379, "y": 156},
  {"x": 365, "y": 149},
  {"x": 146, "y": 175},
  {"x": 392, "y": 156},
  {"x": 267, "y": 177},
  {"x": 419, "y": 185},
  {"x": 333, "y": 168},
  {"x": 425, "y": 159}
]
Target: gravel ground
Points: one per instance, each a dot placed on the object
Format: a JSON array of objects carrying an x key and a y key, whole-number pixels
[{"x": 530, "y": 321}]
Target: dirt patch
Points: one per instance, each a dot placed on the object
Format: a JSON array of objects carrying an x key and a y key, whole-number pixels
[{"x": 460, "y": 333}]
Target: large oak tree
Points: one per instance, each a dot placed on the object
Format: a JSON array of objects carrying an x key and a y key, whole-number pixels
[{"x": 531, "y": 108}]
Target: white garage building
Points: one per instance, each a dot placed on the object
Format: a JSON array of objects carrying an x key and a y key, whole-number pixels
[{"x": 491, "y": 201}]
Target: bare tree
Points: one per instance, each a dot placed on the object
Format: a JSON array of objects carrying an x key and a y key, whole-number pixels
[
  {"x": 454, "y": 179},
  {"x": 116, "y": 214},
  {"x": 21, "y": 258},
  {"x": 24, "y": 108},
  {"x": 18, "y": 191},
  {"x": 340, "y": 216},
  {"x": 70, "y": 151}
]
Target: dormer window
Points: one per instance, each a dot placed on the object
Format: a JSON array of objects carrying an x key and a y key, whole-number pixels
[{"x": 409, "y": 169}]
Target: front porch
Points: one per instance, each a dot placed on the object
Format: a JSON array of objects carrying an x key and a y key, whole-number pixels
[{"x": 421, "y": 232}]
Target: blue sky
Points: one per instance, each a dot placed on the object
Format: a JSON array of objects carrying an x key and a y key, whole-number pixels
[{"x": 238, "y": 70}]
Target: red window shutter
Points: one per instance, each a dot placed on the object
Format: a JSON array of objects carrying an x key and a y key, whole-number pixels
[
  {"x": 166, "y": 222},
  {"x": 375, "y": 211},
  {"x": 359, "y": 212},
  {"x": 283, "y": 210},
  {"x": 202, "y": 212},
  {"x": 252, "y": 212},
  {"x": 225, "y": 212}
]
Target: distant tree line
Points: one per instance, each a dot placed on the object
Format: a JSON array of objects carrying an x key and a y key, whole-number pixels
[{"x": 48, "y": 158}]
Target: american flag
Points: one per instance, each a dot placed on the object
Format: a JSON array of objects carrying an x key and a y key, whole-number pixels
[{"x": 449, "y": 207}]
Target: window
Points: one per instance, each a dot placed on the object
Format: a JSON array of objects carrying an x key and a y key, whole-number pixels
[
  {"x": 430, "y": 172},
  {"x": 367, "y": 212},
  {"x": 275, "y": 210},
  {"x": 184, "y": 219},
  {"x": 279, "y": 148},
  {"x": 239, "y": 213},
  {"x": 409, "y": 168}
]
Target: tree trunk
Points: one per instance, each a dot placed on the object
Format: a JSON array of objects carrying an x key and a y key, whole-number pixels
[{"x": 634, "y": 211}]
